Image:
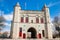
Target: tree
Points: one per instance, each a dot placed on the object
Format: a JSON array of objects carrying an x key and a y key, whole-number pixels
[
  {"x": 56, "y": 23},
  {"x": 4, "y": 35},
  {"x": 2, "y": 20}
]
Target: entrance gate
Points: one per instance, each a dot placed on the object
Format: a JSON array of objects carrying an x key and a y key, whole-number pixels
[{"x": 32, "y": 32}]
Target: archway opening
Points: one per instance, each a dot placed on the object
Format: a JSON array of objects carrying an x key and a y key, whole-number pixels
[{"x": 33, "y": 32}]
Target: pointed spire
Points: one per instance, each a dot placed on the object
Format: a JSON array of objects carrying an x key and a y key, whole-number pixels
[
  {"x": 45, "y": 6},
  {"x": 17, "y": 4}
]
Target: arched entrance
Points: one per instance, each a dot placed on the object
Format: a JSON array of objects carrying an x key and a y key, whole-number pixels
[{"x": 33, "y": 32}]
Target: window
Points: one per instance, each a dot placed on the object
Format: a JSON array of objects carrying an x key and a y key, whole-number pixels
[
  {"x": 24, "y": 35},
  {"x": 42, "y": 20},
  {"x": 43, "y": 33},
  {"x": 39, "y": 35},
  {"x": 20, "y": 32},
  {"x": 37, "y": 20},
  {"x": 26, "y": 20},
  {"x": 31, "y": 21},
  {"x": 22, "y": 19},
  {"x": 20, "y": 29}
]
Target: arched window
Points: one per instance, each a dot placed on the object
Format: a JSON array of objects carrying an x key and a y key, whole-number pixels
[
  {"x": 37, "y": 20},
  {"x": 20, "y": 32},
  {"x": 26, "y": 19},
  {"x": 42, "y": 21},
  {"x": 22, "y": 19}
]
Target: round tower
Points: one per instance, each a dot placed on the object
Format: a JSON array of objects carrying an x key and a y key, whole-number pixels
[
  {"x": 15, "y": 22},
  {"x": 48, "y": 28}
]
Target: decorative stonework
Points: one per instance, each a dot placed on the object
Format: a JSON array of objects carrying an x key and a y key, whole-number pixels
[{"x": 36, "y": 28}]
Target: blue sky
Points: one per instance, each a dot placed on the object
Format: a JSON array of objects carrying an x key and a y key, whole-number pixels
[{"x": 7, "y": 8}]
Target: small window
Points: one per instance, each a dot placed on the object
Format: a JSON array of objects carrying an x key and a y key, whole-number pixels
[
  {"x": 31, "y": 21},
  {"x": 20, "y": 29}
]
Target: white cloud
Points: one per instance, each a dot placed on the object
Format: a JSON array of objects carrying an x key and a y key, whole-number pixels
[
  {"x": 53, "y": 4},
  {"x": 9, "y": 16},
  {"x": 1, "y": 12},
  {"x": 7, "y": 24},
  {"x": 51, "y": 19},
  {"x": 52, "y": 25}
]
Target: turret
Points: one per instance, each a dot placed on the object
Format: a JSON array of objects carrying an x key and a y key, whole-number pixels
[
  {"x": 17, "y": 7},
  {"x": 17, "y": 10},
  {"x": 46, "y": 13},
  {"x": 15, "y": 22},
  {"x": 48, "y": 28}
]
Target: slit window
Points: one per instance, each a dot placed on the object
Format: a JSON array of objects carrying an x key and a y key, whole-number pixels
[
  {"x": 43, "y": 33},
  {"x": 20, "y": 32}
]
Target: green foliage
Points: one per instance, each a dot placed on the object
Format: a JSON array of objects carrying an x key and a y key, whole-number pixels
[
  {"x": 56, "y": 23},
  {"x": 2, "y": 20},
  {"x": 3, "y": 35}
]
